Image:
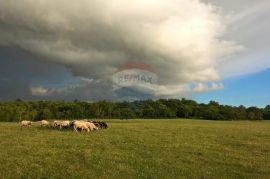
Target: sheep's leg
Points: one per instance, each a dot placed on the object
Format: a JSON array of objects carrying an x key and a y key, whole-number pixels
[{"x": 75, "y": 128}]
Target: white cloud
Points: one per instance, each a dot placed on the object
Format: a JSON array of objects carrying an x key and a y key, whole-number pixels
[
  {"x": 180, "y": 39},
  {"x": 247, "y": 25},
  {"x": 201, "y": 87},
  {"x": 40, "y": 91}
]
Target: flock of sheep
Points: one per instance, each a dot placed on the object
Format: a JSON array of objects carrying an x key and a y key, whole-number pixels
[{"x": 77, "y": 125}]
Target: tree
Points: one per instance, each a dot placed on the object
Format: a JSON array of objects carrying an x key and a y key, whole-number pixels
[
  {"x": 254, "y": 113},
  {"x": 44, "y": 114},
  {"x": 184, "y": 111},
  {"x": 266, "y": 113},
  {"x": 163, "y": 108}
]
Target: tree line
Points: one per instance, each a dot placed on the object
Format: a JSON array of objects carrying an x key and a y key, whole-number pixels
[{"x": 18, "y": 110}]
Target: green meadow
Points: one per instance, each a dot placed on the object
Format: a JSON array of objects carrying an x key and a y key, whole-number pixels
[{"x": 138, "y": 149}]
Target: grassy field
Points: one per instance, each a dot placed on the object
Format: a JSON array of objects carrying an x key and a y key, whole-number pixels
[{"x": 139, "y": 149}]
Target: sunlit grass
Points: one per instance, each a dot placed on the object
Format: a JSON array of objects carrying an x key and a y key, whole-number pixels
[{"x": 139, "y": 149}]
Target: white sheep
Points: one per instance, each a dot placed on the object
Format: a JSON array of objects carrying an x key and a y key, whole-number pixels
[
  {"x": 25, "y": 124},
  {"x": 57, "y": 123},
  {"x": 44, "y": 123},
  {"x": 81, "y": 125},
  {"x": 65, "y": 124},
  {"x": 91, "y": 126}
]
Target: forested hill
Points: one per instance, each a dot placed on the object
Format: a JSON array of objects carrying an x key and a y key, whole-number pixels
[{"x": 162, "y": 108}]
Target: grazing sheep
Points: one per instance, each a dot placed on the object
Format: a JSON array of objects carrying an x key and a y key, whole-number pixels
[
  {"x": 44, "y": 123},
  {"x": 91, "y": 126},
  {"x": 104, "y": 125},
  {"x": 100, "y": 124},
  {"x": 56, "y": 123},
  {"x": 97, "y": 124},
  {"x": 80, "y": 125},
  {"x": 25, "y": 124},
  {"x": 65, "y": 124}
]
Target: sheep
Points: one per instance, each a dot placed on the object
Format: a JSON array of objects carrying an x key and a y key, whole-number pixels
[
  {"x": 81, "y": 125},
  {"x": 91, "y": 126},
  {"x": 56, "y": 123},
  {"x": 104, "y": 125},
  {"x": 100, "y": 124},
  {"x": 65, "y": 124},
  {"x": 25, "y": 124},
  {"x": 44, "y": 123}
]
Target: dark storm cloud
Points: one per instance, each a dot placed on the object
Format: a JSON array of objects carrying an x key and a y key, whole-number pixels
[
  {"x": 20, "y": 70},
  {"x": 180, "y": 39}
]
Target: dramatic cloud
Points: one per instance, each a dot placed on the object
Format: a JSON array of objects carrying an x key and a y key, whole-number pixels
[
  {"x": 19, "y": 71},
  {"x": 180, "y": 39},
  {"x": 247, "y": 25},
  {"x": 87, "y": 89}
]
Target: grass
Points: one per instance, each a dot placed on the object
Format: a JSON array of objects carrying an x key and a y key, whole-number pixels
[{"x": 139, "y": 149}]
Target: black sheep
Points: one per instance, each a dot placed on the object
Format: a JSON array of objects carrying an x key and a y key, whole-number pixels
[{"x": 100, "y": 124}]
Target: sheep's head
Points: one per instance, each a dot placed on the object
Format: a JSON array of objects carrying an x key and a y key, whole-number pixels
[{"x": 71, "y": 123}]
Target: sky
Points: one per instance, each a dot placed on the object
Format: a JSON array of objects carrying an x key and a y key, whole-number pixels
[
  {"x": 131, "y": 50},
  {"x": 250, "y": 90}
]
